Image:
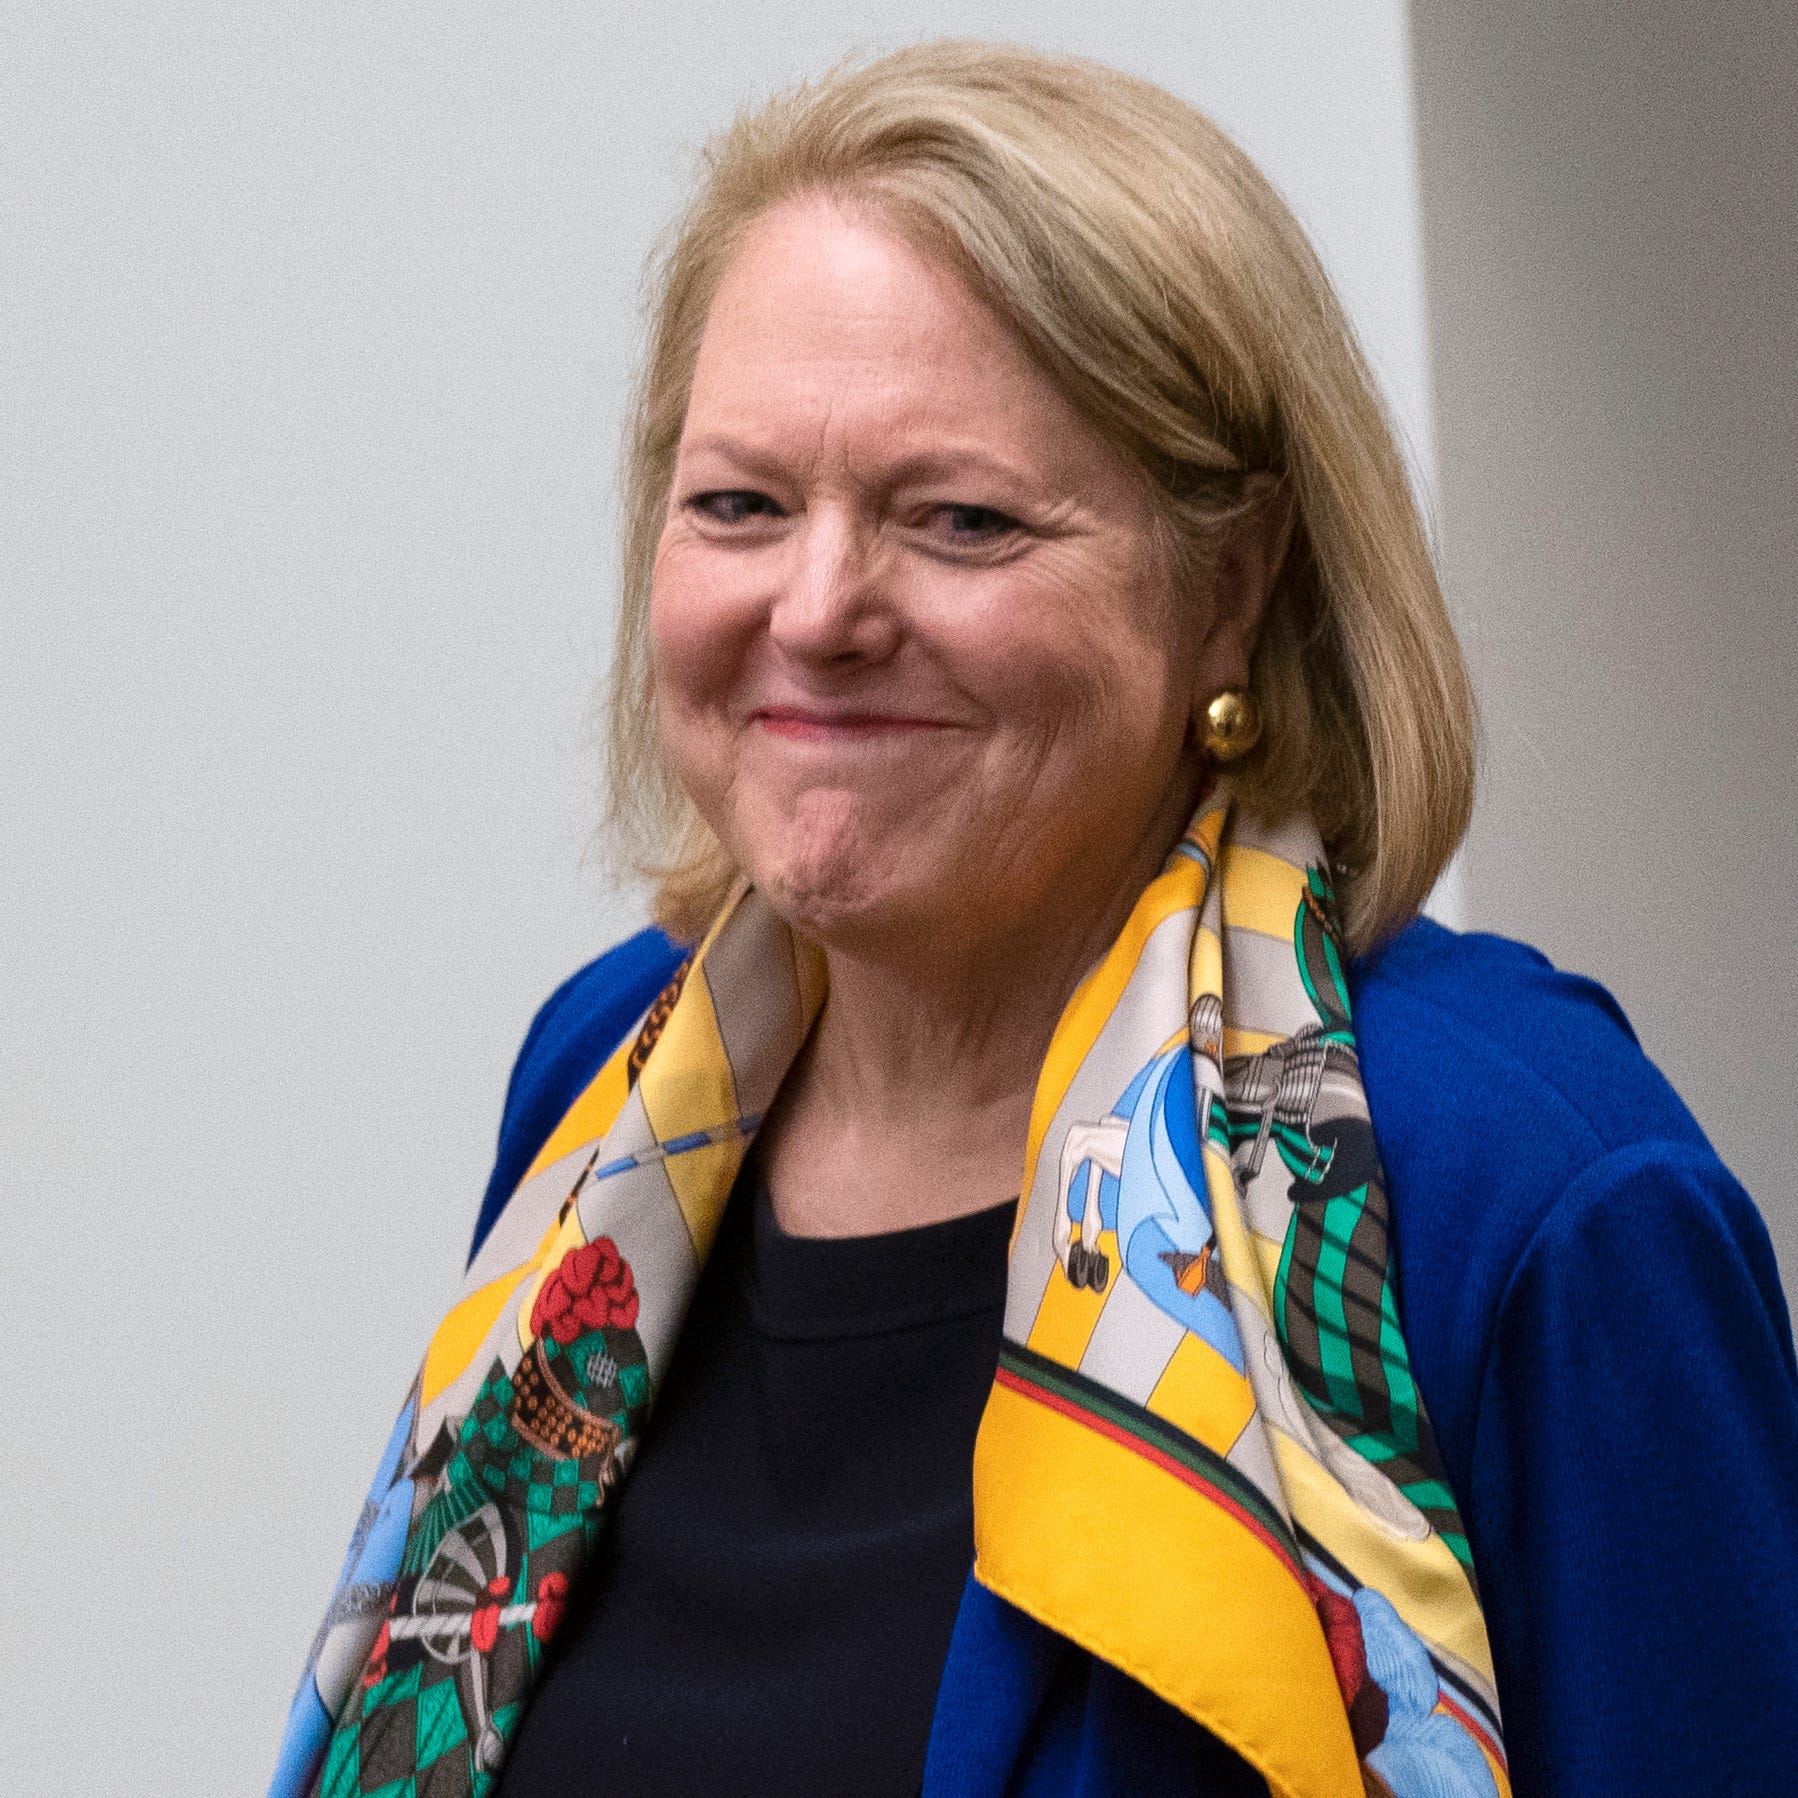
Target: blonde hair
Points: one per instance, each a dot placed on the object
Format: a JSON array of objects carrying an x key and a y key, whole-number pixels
[{"x": 1163, "y": 285}]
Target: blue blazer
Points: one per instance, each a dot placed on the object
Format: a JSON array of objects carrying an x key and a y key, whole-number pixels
[{"x": 1596, "y": 1323}]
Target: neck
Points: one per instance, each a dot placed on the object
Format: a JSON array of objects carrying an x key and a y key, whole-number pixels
[
  {"x": 911, "y": 1101},
  {"x": 946, "y": 1032}
]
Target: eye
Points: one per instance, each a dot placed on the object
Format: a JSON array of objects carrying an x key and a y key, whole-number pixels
[
  {"x": 733, "y": 505},
  {"x": 974, "y": 524}
]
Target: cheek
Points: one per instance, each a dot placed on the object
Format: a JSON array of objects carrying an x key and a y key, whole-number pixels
[
  {"x": 690, "y": 628},
  {"x": 1082, "y": 671},
  {"x": 706, "y": 612},
  {"x": 697, "y": 644}
]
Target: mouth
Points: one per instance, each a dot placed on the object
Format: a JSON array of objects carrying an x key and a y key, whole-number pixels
[{"x": 806, "y": 725}]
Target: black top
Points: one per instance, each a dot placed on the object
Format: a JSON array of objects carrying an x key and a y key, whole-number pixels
[{"x": 772, "y": 1605}]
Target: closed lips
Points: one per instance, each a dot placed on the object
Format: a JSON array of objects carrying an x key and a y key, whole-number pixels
[{"x": 792, "y": 721}]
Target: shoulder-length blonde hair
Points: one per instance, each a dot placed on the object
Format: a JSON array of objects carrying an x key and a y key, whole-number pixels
[{"x": 1163, "y": 285}]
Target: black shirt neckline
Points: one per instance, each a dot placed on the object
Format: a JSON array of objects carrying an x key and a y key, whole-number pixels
[{"x": 818, "y": 1288}]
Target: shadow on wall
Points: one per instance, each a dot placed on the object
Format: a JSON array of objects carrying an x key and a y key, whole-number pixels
[{"x": 1612, "y": 281}]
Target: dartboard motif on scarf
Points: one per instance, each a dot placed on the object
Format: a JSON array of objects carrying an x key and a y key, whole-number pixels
[{"x": 495, "y": 1547}]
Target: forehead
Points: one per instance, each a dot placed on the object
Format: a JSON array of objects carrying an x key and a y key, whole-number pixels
[{"x": 831, "y": 324}]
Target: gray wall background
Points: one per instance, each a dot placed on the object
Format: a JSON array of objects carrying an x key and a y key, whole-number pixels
[
  {"x": 315, "y": 324},
  {"x": 1610, "y": 198}
]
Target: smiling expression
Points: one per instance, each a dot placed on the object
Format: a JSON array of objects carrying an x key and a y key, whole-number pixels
[{"x": 917, "y": 657}]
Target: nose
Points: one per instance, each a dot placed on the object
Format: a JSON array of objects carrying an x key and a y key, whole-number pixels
[{"x": 833, "y": 607}]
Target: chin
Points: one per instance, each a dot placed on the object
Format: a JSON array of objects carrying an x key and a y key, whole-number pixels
[
  {"x": 834, "y": 898},
  {"x": 811, "y": 859},
  {"x": 812, "y": 900},
  {"x": 898, "y": 917}
]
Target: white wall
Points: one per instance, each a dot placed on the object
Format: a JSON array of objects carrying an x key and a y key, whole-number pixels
[
  {"x": 317, "y": 319},
  {"x": 1610, "y": 196}
]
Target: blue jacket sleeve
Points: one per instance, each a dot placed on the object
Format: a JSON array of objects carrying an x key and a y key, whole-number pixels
[
  {"x": 580, "y": 1024},
  {"x": 1635, "y": 1490}
]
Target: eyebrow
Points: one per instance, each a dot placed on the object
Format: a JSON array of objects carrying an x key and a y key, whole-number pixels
[{"x": 921, "y": 466}]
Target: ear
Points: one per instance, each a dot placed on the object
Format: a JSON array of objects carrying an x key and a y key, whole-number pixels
[{"x": 1245, "y": 566}]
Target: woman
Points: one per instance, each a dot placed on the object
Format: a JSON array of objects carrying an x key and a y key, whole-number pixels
[{"x": 1035, "y": 700}]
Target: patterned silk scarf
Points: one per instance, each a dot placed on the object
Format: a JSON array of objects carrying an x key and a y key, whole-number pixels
[{"x": 1204, "y": 1458}]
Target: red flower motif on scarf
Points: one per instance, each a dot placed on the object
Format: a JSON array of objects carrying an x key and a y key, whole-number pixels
[
  {"x": 552, "y": 1601},
  {"x": 592, "y": 1289},
  {"x": 483, "y": 1626}
]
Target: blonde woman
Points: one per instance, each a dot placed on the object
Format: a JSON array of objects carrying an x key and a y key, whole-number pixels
[{"x": 1044, "y": 1274}]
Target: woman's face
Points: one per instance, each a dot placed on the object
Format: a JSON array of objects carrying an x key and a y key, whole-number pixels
[{"x": 919, "y": 663}]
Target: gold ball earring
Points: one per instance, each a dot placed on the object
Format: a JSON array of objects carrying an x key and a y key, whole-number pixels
[{"x": 1232, "y": 725}]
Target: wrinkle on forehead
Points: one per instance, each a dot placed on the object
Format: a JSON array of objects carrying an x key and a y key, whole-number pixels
[{"x": 833, "y": 339}]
